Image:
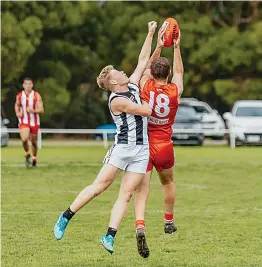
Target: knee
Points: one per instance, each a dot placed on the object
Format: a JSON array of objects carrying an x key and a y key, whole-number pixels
[
  {"x": 24, "y": 140},
  {"x": 126, "y": 196},
  {"x": 167, "y": 181},
  {"x": 34, "y": 143}
]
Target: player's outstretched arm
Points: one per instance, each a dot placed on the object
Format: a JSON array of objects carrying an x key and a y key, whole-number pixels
[
  {"x": 156, "y": 54},
  {"x": 144, "y": 54},
  {"x": 159, "y": 46},
  {"x": 121, "y": 104},
  {"x": 178, "y": 68}
]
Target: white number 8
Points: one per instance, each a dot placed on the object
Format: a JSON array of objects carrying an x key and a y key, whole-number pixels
[{"x": 162, "y": 109}]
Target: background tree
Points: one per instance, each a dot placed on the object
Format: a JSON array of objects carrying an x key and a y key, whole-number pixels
[{"x": 64, "y": 45}]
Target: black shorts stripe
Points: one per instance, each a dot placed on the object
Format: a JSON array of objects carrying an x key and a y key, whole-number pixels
[{"x": 109, "y": 153}]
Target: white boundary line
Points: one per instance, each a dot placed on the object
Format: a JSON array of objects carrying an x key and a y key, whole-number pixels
[
  {"x": 151, "y": 211},
  {"x": 20, "y": 165},
  {"x": 45, "y": 164}
]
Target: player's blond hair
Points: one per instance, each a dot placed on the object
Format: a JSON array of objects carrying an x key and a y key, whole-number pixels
[{"x": 104, "y": 77}]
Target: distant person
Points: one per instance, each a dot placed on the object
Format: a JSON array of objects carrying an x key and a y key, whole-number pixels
[
  {"x": 28, "y": 107},
  {"x": 129, "y": 154},
  {"x": 163, "y": 98}
]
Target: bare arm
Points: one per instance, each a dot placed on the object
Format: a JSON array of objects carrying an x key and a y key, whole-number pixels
[
  {"x": 178, "y": 68},
  {"x": 17, "y": 108},
  {"x": 156, "y": 54},
  {"x": 144, "y": 54},
  {"x": 39, "y": 105},
  {"x": 121, "y": 104},
  {"x": 159, "y": 46}
]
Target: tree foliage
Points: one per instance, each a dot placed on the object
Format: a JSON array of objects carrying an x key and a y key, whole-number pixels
[{"x": 64, "y": 45}]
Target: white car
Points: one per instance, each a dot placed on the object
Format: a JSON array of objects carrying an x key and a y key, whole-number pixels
[
  {"x": 4, "y": 132},
  {"x": 245, "y": 121},
  {"x": 213, "y": 124}
]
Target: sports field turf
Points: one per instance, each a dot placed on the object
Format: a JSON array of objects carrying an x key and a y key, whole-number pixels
[{"x": 218, "y": 211}]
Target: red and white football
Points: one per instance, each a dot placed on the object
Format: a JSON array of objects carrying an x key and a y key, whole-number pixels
[{"x": 171, "y": 31}]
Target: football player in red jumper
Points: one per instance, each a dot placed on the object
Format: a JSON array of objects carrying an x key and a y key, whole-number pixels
[{"x": 163, "y": 97}]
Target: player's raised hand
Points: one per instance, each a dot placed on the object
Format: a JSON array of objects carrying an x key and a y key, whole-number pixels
[
  {"x": 177, "y": 42},
  {"x": 160, "y": 37},
  {"x": 29, "y": 110},
  {"x": 152, "y": 26}
]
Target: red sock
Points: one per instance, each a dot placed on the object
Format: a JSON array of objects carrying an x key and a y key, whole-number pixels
[
  {"x": 169, "y": 217},
  {"x": 27, "y": 154},
  {"x": 34, "y": 158},
  {"x": 140, "y": 225}
]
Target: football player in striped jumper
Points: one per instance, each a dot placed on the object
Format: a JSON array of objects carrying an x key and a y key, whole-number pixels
[
  {"x": 129, "y": 154},
  {"x": 28, "y": 107}
]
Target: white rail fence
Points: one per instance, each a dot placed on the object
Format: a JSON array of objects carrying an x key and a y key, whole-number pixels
[{"x": 105, "y": 132}]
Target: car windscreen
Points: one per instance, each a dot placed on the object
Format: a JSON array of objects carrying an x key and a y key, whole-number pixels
[
  {"x": 249, "y": 112},
  {"x": 186, "y": 112},
  {"x": 201, "y": 109}
]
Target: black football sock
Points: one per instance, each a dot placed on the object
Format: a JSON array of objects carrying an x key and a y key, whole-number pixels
[
  {"x": 68, "y": 214},
  {"x": 111, "y": 231}
]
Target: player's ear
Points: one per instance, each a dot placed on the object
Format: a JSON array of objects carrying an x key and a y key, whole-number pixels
[
  {"x": 113, "y": 82},
  {"x": 151, "y": 71}
]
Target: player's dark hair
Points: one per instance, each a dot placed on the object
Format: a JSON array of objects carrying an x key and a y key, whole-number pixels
[
  {"x": 160, "y": 68},
  {"x": 28, "y": 79}
]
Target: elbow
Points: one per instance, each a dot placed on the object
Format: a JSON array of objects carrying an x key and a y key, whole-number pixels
[{"x": 148, "y": 112}]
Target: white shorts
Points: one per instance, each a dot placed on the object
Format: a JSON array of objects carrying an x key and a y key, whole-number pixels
[{"x": 131, "y": 158}]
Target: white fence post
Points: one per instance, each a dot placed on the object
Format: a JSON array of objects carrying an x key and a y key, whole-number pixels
[
  {"x": 105, "y": 140},
  {"x": 232, "y": 139},
  {"x": 39, "y": 139}
]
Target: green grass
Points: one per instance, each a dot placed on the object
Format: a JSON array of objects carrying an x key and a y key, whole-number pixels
[{"x": 218, "y": 211}]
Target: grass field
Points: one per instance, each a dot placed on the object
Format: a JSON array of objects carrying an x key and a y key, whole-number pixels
[{"x": 218, "y": 211}]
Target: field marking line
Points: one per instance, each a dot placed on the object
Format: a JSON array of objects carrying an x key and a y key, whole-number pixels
[
  {"x": 151, "y": 211},
  {"x": 44, "y": 164},
  {"x": 22, "y": 165}
]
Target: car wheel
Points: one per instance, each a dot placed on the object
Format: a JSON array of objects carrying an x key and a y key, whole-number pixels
[
  {"x": 218, "y": 138},
  {"x": 201, "y": 143}
]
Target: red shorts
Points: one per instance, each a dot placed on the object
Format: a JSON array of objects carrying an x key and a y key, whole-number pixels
[
  {"x": 33, "y": 129},
  {"x": 161, "y": 156}
]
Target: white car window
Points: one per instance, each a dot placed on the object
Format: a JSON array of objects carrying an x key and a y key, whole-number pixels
[
  {"x": 186, "y": 111},
  {"x": 249, "y": 112}
]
